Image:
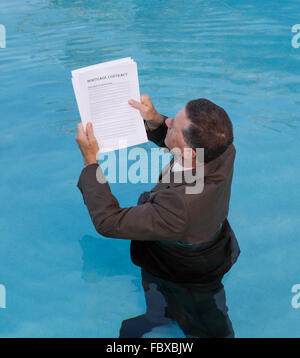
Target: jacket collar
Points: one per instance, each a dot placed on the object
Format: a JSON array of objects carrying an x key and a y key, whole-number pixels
[{"x": 214, "y": 168}]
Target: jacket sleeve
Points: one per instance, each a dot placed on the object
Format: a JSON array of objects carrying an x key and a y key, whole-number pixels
[
  {"x": 158, "y": 135},
  {"x": 163, "y": 218}
]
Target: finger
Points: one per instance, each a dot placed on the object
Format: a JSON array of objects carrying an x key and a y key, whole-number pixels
[
  {"x": 136, "y": 105},
  {"x": 90, "y": 131},
  {"x": 145, "y": 99}
]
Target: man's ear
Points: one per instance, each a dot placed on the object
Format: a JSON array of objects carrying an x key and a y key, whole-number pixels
[
  {"x": 194, "y": 154},
  {"x": 189, "y": 153}
]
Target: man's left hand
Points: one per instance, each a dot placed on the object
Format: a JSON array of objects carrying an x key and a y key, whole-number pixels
[{"x": 87, "y": 143}]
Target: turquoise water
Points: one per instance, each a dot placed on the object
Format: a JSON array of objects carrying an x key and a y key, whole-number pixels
[{"x": 62, "y": 279}]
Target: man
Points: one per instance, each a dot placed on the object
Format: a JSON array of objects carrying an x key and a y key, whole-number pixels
[{"x": 182, "y": 242}]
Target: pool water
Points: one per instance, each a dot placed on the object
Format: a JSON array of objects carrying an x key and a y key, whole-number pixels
[{"x": 61, "y": 278}]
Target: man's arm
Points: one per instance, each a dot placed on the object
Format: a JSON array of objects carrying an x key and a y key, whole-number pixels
[{"x": 163, "y": 218}]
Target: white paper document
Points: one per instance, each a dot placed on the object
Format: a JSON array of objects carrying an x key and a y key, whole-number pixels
[{"x": 102, "y": 92}]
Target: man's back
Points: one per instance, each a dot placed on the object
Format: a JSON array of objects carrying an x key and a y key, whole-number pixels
[{"x": 200, "y": 252}]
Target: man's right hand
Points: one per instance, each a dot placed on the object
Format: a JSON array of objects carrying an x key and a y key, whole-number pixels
[{"x": 148, "y": 111}]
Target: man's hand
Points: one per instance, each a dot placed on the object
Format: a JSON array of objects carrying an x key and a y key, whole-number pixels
[
  {"x": 87, "y": 143},
  {"x": 148, "y": 111}
]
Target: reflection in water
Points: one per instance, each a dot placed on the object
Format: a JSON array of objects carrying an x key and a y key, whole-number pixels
[
  {"x": 99, "y": 256},
  {"x": 95, "y": 264}
]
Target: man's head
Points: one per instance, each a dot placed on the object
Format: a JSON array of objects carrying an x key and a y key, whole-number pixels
[{"x": 200, "y": 124}]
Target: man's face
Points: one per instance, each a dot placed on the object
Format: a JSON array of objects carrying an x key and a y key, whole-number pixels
[{"x": 174, "y": 137}]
